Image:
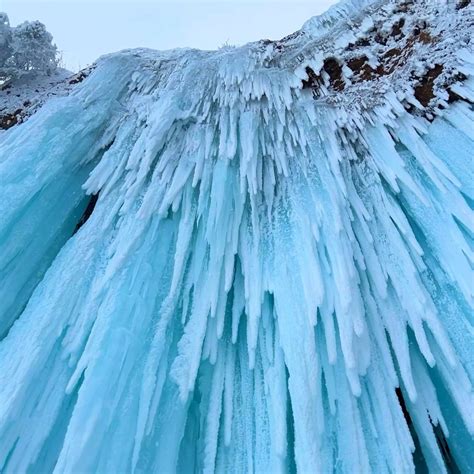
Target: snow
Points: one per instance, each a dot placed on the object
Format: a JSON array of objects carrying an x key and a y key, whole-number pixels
[
  {"x": 22, "y": 97},
  {"x": 273, "y": 252},
  {"x": 26, "y": 47}
]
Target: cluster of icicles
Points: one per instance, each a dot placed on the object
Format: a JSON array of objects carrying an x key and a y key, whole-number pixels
[{"x": 253, "y": 286}]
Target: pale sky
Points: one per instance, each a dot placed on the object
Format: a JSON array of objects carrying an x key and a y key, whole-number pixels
[{"x": 84, "y": 30}]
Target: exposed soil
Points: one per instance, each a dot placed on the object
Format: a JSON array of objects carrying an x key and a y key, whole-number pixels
[
  {"x": 463, "y": 4},
  {"x": 424, "y": 92},
  {"x": 313, "y": 82},
  {"x": 79, "y": 77},
  {"x": 7, "y": 121},
  {"x": 334, "y": 71},
  {"x": 362, "y": 70}
]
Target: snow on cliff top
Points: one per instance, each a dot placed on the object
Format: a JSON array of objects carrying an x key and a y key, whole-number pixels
[
  {"x": 22, "y": 97},
  {"x": 353, "y": 54}
]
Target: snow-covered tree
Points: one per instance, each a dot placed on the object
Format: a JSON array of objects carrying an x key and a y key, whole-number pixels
[
  {"x": 33, "y": 48},
  {"x": 5, "y": 38},
  {"x": 27, "y": 47}
]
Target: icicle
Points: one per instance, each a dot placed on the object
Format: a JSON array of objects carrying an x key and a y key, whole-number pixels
[{"x": 276, "y": 274}]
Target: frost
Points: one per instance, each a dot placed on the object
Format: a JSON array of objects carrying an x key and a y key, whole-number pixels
[
  {"x": 273, "y": 267},
  {"x": 26, "y": 48}
]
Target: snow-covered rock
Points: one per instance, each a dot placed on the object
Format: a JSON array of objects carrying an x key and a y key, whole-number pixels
[{"x": 21, "y": 97}]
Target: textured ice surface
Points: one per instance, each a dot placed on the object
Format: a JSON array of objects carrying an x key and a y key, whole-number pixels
[{"x": 277, "y": 274}]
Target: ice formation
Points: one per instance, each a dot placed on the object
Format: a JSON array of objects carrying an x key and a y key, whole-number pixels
[{"x": 256, "y": 259}]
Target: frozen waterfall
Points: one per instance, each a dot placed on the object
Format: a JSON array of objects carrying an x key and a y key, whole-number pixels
[{"x": 256, "y": 259}]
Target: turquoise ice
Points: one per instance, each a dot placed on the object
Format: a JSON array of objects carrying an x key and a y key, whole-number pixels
[{"x": 261, "y": 274}]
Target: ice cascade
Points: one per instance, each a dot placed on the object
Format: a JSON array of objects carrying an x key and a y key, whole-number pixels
[{"x": 247, "y": 260}]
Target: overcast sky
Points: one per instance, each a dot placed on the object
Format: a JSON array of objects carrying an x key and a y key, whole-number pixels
[{"x": 84, "y": 30}]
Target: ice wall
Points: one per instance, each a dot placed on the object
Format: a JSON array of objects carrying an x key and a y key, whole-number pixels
[{"x": 276, "y": 276}]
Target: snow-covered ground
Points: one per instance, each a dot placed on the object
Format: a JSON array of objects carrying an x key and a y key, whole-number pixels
[{"x": 22, "y": 97}]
